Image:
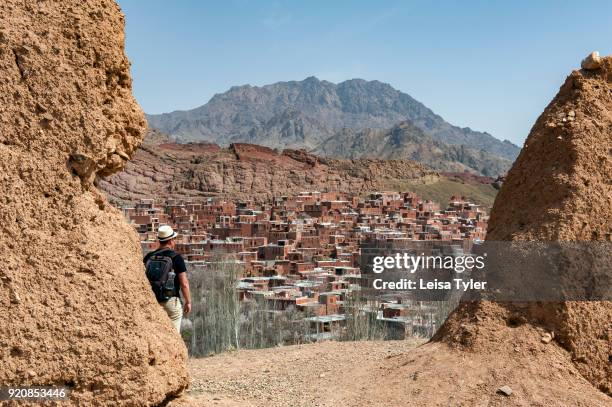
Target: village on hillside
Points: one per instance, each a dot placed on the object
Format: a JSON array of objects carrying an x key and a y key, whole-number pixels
[{"x": 302, "y": 253}]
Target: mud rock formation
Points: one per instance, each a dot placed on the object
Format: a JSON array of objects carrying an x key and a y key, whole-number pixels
[
  {"x": 558, "y": 190},
  {"x": 77, "y": 308}
]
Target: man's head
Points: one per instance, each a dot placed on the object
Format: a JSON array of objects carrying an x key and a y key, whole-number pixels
[{"x": 165, "y": 236}]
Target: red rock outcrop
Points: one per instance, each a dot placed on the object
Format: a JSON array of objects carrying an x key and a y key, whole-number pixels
[
  {"x": 248, "y": 171},
  {"x": 78, "y": 310},
  {"x": 558, "y": 190}
]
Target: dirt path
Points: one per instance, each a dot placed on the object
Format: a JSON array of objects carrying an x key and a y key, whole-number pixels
[
  {"x": 323, "y": 374},
  {"x": 389, "y": 374}
]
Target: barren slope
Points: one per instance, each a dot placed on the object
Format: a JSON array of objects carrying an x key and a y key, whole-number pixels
[
  {"x": 163, "y": 169},
  {"x": 407, "y": 141},
  {"x": 246, "y": 171}
]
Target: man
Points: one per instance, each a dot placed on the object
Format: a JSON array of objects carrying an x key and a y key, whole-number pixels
[{"x": 168, "y": 285}]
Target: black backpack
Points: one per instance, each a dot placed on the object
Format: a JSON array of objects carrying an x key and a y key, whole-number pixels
[{"x": 160, "y": 272}]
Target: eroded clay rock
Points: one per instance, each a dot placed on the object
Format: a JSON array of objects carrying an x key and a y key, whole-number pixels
[
  {"x": 78, "y": 310},
  {"x": 557, "y": 190}
]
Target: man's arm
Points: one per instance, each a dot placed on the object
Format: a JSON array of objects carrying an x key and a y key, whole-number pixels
[{"x": 184, "y": 283}]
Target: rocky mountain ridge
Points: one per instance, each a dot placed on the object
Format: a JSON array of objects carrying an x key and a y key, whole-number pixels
[
  {"x": 406, "y": 141},
  {"x": 304, "y": 114},
  {"x": 164, "y": 169}
]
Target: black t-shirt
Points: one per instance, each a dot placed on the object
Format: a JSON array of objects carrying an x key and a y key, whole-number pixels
[{"x": 178, "y": 264}]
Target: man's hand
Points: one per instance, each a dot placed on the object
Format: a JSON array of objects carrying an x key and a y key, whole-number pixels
[{"x": 182, "y": 277}]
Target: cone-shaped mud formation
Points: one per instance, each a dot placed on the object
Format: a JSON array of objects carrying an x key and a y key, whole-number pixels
[{"x": 559, "y": 189}]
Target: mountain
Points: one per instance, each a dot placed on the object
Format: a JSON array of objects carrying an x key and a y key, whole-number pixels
[
  {"x": 304, "y": 114},
  {"x": 251, "y": 172},
  {"x": 407, "y": 141}
]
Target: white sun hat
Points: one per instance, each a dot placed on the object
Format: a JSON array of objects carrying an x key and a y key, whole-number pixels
[{"x": 165, "y": 233}]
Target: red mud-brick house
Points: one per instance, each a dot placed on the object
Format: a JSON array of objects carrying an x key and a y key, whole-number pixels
[
  {"x": 274, "y": 251},
  {"x": 330, "y": 302},
  {"x": 301, "y": 268}
]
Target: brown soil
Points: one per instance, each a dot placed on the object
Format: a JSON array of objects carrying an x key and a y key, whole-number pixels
[
  {"x": 77, "y": 308},
  {"x": 389, "y": 374}
]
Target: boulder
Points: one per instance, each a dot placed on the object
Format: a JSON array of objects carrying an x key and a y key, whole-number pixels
[{"x": 592, "y": 61}]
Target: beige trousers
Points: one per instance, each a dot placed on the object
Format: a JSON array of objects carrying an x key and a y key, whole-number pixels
[{"x": 174, "y": 309}]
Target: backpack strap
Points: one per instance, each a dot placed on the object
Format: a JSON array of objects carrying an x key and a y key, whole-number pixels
[
  {"x": 171, "y": 253},
  {"x": 163, "y": 252}
]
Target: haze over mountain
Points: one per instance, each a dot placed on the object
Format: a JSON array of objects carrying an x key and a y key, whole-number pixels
[{"x": 312, "y": 113}]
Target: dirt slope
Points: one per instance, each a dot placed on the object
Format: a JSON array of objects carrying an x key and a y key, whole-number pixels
[
  {"x": 77, "y": 308},
  {"x": 558, "y": 189},
  {"x": 388, "y": 374}
]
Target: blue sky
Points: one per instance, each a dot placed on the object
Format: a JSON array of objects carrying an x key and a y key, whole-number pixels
[{"x": 489, "y": 65}]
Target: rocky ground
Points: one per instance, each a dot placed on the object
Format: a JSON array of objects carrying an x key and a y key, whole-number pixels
[
  {"x": 320, "y": 374},
  {"x": 558, "y": 189},
  {"x": 392, "y": 373}
]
